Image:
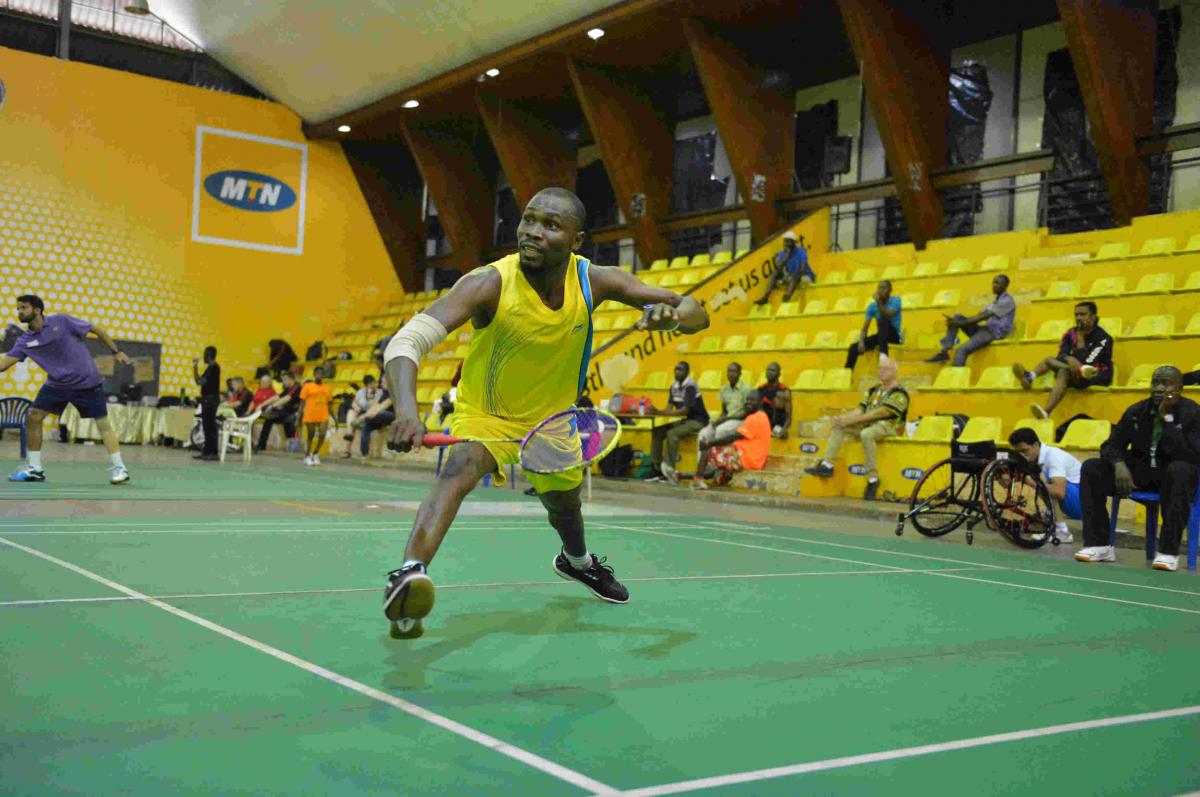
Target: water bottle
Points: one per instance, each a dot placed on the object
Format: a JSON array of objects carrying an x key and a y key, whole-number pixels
[{"x": 641, "y": 406}]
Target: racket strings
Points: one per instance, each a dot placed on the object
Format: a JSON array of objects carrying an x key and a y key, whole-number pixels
[{"x": 568, "y": 440}]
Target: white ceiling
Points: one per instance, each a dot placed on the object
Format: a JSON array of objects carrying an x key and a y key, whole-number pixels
[{"x": 325, "y": 57}]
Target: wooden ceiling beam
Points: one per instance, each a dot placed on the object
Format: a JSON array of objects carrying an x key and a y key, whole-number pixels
[
  {"x": 1112, "y": 48},
  {"x": 757, "y": 126},
  {"x": 533, "y": 153},
  {"x": 463, "y": 197},
  {"x": 391, "y": 185},
  {"x": 906, "y": 76},
  {"x": 637, "y": 151}
]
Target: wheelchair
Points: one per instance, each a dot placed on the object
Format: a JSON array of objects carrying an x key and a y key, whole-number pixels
[{"x": 979, "y": 483}]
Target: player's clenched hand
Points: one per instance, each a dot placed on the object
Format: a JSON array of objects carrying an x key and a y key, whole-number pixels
[
  {"x": 658, "y": 316},
  {"x": 123, "y": 358},
  {"x": 407, "y": 433}
]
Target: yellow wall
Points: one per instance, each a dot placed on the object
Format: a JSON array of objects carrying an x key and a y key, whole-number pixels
[{"x": 96, "y": 192}]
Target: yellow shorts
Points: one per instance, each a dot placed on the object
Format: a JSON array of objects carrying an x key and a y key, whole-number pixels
[{"x": 487, "y": 427}]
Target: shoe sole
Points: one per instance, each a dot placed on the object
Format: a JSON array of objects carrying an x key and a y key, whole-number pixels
[
  {"x": 27, "y": 481},
  {"x": 567, "y": 577},
  {"x": 417, "y": 630},
  {"x": 119, "y": 481},
  {"x": 416, "y": 604},
  {"x": 1167, "y": 568},
  {"x": 1089, "y": 561}
]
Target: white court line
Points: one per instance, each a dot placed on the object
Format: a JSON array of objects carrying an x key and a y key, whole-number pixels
[
  {"x": 301, "y": 530},
  {"x": 903, "y": 752},
  {"x": 494, "y": 585},
  {"x": 1066, "y": 592},
  {"x": 470, "y": 734}
]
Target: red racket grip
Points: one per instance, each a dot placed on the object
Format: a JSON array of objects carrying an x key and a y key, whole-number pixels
[{"x": 437, "y": 440}]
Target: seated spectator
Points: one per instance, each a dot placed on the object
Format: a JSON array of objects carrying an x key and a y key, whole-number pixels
[
  {"x": 1060, "y": 471},
  {"x": 378, "y": 415},
  {"x": 683, "y": 402},
  {"x": 1084, "y": 359},
  {"x": 732, "y": 398},
  {"x": 1191, "y": 378},
  {"x": 1154, "y": 447},
  {"x": 363, "y": 399},
  {"x": 280, "y": 409},
  {"x": 885, "y": 309},
  {"x": 791, "y": 264},
  {"x": 776, "y": 402},
  {"x": 266, "y": 390},
  {"x": 883, "y": 411},
  {"x": 239, "y": 397},
  {"x": 994, "y": 322},
  {"x": 281, "y": 357},
  {"x": 751, "y": 445}
]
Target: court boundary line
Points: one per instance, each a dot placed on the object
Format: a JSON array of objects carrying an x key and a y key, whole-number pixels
[
  {"x": 491, "y": 585},
  {"x": 518, "y": 754},
  {"x": 842, "y": 762}
]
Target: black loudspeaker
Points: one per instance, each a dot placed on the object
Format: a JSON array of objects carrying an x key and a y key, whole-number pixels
[{"x": 837, "y": 154}]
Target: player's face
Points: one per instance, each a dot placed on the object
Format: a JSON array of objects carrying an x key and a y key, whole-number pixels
[
  {"x": 547, "y": 233},
  {"x": 1085, "y": 321},
  {"x": 1028, "y": 450},
  {"x": 25, "y": 312},
  {"x": 772, "y": 373}
]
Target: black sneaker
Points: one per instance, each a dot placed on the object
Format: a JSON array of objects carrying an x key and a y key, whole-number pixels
[
  {"x": 598, "y": 578},
  {"x": 407, "y": 598},
  {"x": 869, "y": 494},
  {"x": 820, "y": 469}
]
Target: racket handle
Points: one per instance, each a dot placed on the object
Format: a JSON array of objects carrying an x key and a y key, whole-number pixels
[{"x": 437, "y": 440}]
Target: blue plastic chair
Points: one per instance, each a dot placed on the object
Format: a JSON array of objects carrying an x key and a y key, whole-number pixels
[
  {"x": 12, "y": 416},
  {"x": 1151, "y": 502}
]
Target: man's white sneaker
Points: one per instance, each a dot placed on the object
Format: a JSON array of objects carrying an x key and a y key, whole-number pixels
[
  {"x": 1063, "y": 533},
  {"x": 118, "y": 476},
  {"x": 316, "y": 459},
  {"x": 1164, "y": 561},
  {"x": 670, "y": 474},
  {"x": 307, "y": 460},
  {"x": 1096, "y": 553}
]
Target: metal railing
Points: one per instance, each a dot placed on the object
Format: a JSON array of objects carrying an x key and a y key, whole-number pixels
[{"x": 105, "y": 16}]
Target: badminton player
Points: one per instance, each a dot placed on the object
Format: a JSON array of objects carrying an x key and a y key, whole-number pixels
[{"x": 528, "y": 359}]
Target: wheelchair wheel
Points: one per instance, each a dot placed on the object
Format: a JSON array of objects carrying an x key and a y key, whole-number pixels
[
  {"x": 940, "y": 500},
  {"x": 1017, "y": 504}
]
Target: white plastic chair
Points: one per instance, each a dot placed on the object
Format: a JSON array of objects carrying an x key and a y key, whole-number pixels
[{"x": 239, "y": 429}]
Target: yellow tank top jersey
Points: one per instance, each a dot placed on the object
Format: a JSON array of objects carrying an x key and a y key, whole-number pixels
[{"x": 530, "y": 361}]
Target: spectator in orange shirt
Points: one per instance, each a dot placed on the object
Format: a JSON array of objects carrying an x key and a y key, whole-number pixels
[
  {"x": 315, "y": 397},
  {"x": 745, "y": 449}
]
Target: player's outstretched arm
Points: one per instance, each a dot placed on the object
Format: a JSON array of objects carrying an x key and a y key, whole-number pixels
[
  {"x": 473, "y": 298},
  {"x": 7, "y": 362},
  {"x": 107, "y": 340},
  {"x": 661, "y": 308}
]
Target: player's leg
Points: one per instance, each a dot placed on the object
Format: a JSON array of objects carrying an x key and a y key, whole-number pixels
[
  {"x": 93, "y": 404},
  {"x": 49, "y": 401},
  {"x": 574, "y": 561},
  {"x": 408, "y": 596},
  {"x": 1062, "y": 381}
]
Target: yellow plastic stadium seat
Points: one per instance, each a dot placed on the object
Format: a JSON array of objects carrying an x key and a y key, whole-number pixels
[
  {"x": 710, "y": 380},
  {"x": 850, "y": 339},
  {"x": 1155, "y": 283},
  {"x": 705, "y": 273},
  {"x": 834, "y": 278},
  {"x": 739, "y": 254},
  {"x": 758, "y": 312},
  {"x": 997, "y": 377},
  {"x": 911, "y": 301},
  {"x": 460, "y": 352},
  {"x": 809, "y": 379},
  {"x": 864, "y": 275},
  {"x": 1086, "y": 433},
  {"x": 994, "y": 263},
  {"x": 894, "y": 273},
  {"x": 788, "y": 310},
  {"x": 925, "y": 270},
  {"x": 626, "y": 269},
  {"x": 709, "y": 343},
  {"x": 1193, "y": 282},
  {"x": 735, "y": 343},
  {"x": 764, "y": 342},
  {"x": 1153, "y": 326},
  {"x": 1113, "y": 251},
  {"x": 748, "y": 376},
  {"x": 815, "y": 307},
  {"x": 837, "y": 379},
  {"x": 1052, "y": 330},
  {"x": 796, "y": 340},
  {"x": 1193, "y": 326},
  {"x": 1113, "y": 325},
  {"x": 1060, "y": 289},
  {"x": 668, "y": 281},
  {"x": 659, "y": 265},
  {"x": 1044, "y": 427},
  {"x": 1140, "y": 378},
  {"x": 960, "y": 265},
  {"x": 928, "y": 340},
  {"x": 425, "y": 395},
  {"x": 979, "y": 429},
  {"x": 721, "y": 258},
  {"x": 952, "y": 377},
  {"x": 701, "y": 260},
  {"x": 846, "y": 304},
  {"x": 825, "y": 339},
  {"x": 689, "y": 278},
  {"x": 1157, "y": 246},
  {"x": 425, "y": 373},
  {"x": 602, "y": 323},
  {"x": 934, "y": 429},
  {"x": 444, "y": 373},
  {"x": 650, "y": 278},
  {"x": 679, "y": 262},
  {"x": 659, "y": 380},
  {"x": 1107, "y": 286},
  {"x": 946, "y": 298}
]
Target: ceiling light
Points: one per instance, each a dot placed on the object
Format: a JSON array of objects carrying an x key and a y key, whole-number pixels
[
  {"x": 411, "y": 104},
  {"x": 595, "y": 33},
  {"x": 492, "y": 72},
  {"x": 139, "y": 7},
  {"x": 343, "y": 128}
]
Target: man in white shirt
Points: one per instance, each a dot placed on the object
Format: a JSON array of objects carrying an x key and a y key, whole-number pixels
[{"x": 1061, "y": 473}]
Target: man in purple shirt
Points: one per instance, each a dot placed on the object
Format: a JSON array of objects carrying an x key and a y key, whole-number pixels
[{"x": 56, "y": 344}]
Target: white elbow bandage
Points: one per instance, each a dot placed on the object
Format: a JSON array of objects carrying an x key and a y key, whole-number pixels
[{"x": 415, "y": 339}]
